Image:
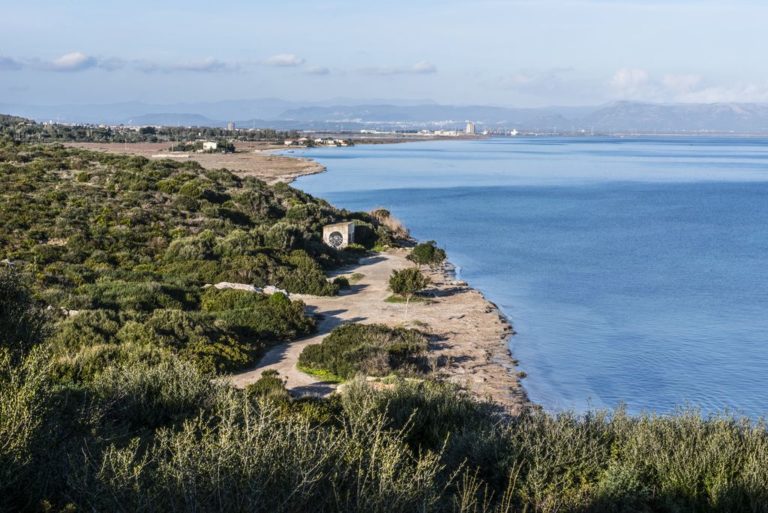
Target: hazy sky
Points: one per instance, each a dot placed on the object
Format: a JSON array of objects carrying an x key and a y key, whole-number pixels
[{"x": 514, "y": 52}]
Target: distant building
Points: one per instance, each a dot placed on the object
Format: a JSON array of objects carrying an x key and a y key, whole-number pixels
[
  {"x": 210, "y": 145},
  {"x": 470, "y": 130},
  {"x": 231, "y": 125}
]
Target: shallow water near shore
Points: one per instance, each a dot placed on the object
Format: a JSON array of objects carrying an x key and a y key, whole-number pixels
[{"x": 634, "y": 270}]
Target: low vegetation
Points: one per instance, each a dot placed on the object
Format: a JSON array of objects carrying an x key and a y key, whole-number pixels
[
  {"x": 120, "y": 249},
  {"x": 109, "y": 343},
  {"x": 25, "y": 130},
  {"x": 160, "y": 436},
  {"x": 427, "y": 253},
  {"x": 369, "y": 349}
]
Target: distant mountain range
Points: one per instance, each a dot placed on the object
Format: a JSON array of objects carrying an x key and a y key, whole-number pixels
[{"x": 346, "y": 114}]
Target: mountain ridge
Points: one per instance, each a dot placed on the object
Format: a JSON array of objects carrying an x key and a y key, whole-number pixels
[{"x": 621, "y": 116}]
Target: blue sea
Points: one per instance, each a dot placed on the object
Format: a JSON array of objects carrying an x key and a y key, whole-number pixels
[{"x": 635, "y": 270}]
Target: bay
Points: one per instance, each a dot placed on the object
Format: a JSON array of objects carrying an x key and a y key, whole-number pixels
[{"x": 633, "y": 269}]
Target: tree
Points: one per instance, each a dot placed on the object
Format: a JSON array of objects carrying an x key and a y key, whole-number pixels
[
  {"x": 427, "y": 253},
  {"x": 407, "y": 283}
]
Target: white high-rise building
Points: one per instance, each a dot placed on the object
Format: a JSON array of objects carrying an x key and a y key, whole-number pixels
[{"x": 470, "y": 130}]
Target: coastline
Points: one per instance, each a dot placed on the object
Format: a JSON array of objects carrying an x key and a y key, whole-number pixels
[
  {"x": 467, "y": 333},
  {"x": 474, "y": 347},
  {"x": 483, "y": 364}
]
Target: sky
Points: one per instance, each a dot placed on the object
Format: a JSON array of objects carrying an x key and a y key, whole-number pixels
[{"x": 521, "y": 53}]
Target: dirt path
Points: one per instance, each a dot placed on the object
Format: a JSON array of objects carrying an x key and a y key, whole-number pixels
[
  {"x": 364, "y": 302},
  {"x": 468, "y": 333}
]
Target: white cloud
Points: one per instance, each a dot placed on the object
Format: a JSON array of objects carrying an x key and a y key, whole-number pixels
[
  {"x": 285, "y": 60},
  {"x": 639, "y": 85},
  {"x": 318, "y": 70},
  {"x": 420, "y": 68},
  {"x": 204, "y": 66},
  {"x": 208, "y": 65},
  {"x": 630, "y": 81},
  {"x": 69, "y": 63},
  {"x": 73, "y": 61},
  {"x": 423, "y": 67},
  {"x": 79, "y": 61},
  {"x": 681, "y": 84},
  {"x": 734, "y": 93}
]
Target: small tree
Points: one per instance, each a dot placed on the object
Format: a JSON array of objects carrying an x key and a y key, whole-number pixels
[
  {"x": 407, "y": 283},
  {"x": 427, "y": 253}
]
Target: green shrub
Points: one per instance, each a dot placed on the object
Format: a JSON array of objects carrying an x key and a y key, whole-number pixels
[
  {"x": 304, "y": 276},
  {"x": 372, "y": 349},
  {"x": 87, "y": 328},
  {"x": 141, "y": 296},
  {"x": 269, "y": 386},
  {"x": 211, "y": 348},
  {"x": 342, "y": 282},
  {"x": 22, "y": 322},
  {"x": 257, "y": 317},
  {"x": 427, "y": 253}
]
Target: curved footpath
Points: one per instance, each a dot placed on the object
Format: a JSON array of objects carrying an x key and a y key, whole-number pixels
[{"x": 468, "y": 333}]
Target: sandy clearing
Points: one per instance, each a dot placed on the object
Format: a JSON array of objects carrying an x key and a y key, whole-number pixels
[
  {"x": 251, "y": 159},
  {"x": 470, "y": 334}
]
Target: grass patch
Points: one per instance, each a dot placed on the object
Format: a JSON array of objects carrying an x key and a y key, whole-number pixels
[
  {"x": 394, "y": 298},
  {"x": 355, "y": 278},
  {"x": 322, "y": 374}
]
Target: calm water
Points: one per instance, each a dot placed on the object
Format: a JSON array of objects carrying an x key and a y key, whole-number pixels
[{"x": 634, "y": 270}]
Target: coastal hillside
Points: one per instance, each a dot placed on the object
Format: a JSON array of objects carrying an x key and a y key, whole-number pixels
[
  {"x": 125, "y": 249},
  {"x": 113, "y": 349}
]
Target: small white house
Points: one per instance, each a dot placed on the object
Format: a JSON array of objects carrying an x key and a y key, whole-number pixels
[
  {"x": 210, "y": 145},
  {"x": 339, "y": 235}
]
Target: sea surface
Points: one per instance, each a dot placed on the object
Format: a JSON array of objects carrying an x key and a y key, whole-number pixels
[{"x": 635, "y": 270}]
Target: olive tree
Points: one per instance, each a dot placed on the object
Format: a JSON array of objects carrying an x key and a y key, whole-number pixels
[{"x": 407, "y": 283}]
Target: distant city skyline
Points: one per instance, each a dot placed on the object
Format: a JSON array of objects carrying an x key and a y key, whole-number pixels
[{"x": 520, "y": 53}]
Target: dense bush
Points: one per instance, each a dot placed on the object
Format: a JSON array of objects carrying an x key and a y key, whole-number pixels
[
  {"x": 269, "y": 386},
  {"x": 373, "y": 349},
  {"x": 163, "y": 437},
  {"x": 22, "y": 322},
  {"x": 20, "y": 129},
  {"x": 427, "y": 253},
  {"x": 127, "y": 244},
  {"x": 73, "y": 217},
  {"x": 258, "y": 317}
]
